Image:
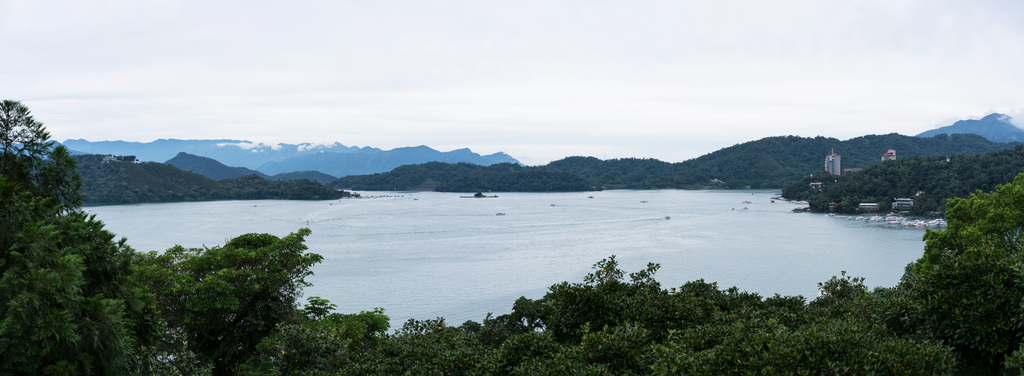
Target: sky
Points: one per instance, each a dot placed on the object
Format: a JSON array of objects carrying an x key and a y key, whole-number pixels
[{"x": 538, "y": 80}]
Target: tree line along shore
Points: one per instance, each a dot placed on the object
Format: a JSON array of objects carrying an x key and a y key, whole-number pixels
[{"x": 77, "y": 301}]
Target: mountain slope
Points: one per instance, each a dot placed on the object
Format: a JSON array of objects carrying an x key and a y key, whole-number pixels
[
  {"x": 210, "y": 167},
  {"x": 994, "y": 127},
  {"x": 126, "y": 183}
]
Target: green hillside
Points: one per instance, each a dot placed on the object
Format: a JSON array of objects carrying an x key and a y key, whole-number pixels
[
  {"x": 127, "y": 183},
  {"x": 210, "y": 167},
  {"x": 930, "y": 181},
  {"x": 771, "y": 162},
  {"x": 465, "y": 177},
  {"x": 776, "y": 162}
]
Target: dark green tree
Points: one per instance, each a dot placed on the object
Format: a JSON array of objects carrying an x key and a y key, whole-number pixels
[
  {"x": 220, "y": 302},
  {"x": 967, "y": 288},
  {"x": 70, "y": 301}
]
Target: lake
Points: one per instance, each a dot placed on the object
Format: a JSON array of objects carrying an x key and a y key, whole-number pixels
[{"x": 427, "y": 254}]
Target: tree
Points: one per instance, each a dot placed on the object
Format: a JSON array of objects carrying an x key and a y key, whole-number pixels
[
  {"x": 967, "y": 288},
  {"x": 221, "y": 302},
  {"x": 70, "y": 301}
]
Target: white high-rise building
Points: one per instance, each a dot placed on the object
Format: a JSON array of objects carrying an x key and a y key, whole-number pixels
[{"x": 833, "y": 164}]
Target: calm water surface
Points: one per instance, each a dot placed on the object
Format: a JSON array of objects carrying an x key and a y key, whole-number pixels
[{"x": 426, "y": 254}]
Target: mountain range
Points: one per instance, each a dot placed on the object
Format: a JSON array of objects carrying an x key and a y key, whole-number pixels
[
  {"x": 994, "y": 127},
  {"x": 215, "y": 170},
  {"x": 333, "y": 159},
  {"x": 770, "y": 162}
]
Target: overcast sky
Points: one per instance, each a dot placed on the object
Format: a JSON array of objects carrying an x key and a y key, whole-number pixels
[{"x": 539, "y": 80}]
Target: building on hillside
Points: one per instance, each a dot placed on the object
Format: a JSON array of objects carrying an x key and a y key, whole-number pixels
[
  {"x": 868, "y": 207},
  {"x": 889, "y": 155},
  {"x": 112, "y": 159},
  {"x": 833, "y": 164},
  {"x": 852, "y": 169},
  {"x": 902, "y": 203}
]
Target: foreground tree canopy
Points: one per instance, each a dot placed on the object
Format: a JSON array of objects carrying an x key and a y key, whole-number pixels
[
  {"x": 75, "y": 301},
  {"x": 70, "y": 303}
]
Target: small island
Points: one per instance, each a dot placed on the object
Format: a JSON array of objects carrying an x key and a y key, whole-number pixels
[{"x": 479, "y": 195}]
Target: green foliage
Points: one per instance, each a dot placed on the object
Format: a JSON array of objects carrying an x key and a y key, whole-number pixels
[
  {"x": 221, "y": 302},
  {"x": 982, "y": 222},
  {"x": 972, "y": 303},
  {"x": 71, "y": 303},
  {"x": 423, "y": 347},
  {"x": 252, "y": 187},
  {"x": 316, "y": 346},
  {"x": 837, "y": 346},
  {"x": 967, "y": 288},
  {"x": 610, "y": 326}
]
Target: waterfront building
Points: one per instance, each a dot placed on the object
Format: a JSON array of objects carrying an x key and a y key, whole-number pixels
[
  {"x": 903, "y": 203},
  {"x": 868, "y": 207}
]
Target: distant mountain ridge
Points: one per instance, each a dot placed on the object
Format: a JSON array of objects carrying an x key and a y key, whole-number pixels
[
  {"x": 215, "y": 170},
  {"x": 994, "y": 127},
  {"x": 332, "y": 159},
  {"x": 369, "y": 163}
]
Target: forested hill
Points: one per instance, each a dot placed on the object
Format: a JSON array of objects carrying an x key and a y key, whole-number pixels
[
  {"x": 465, "y": 177},
  {"x": 930, "y": 181},
  {"x": 126, "y": 183},
  {"x": 772, "y": 162},
  {"x": 775, "y": 162},
  {"x": 210, "y": 167}
]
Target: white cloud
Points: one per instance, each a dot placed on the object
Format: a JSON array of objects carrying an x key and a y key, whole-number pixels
[
  {"x": 241, "y": 145},
  {"x": 249, "y": 145},
  {"x": 1016, "y": 118}
]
